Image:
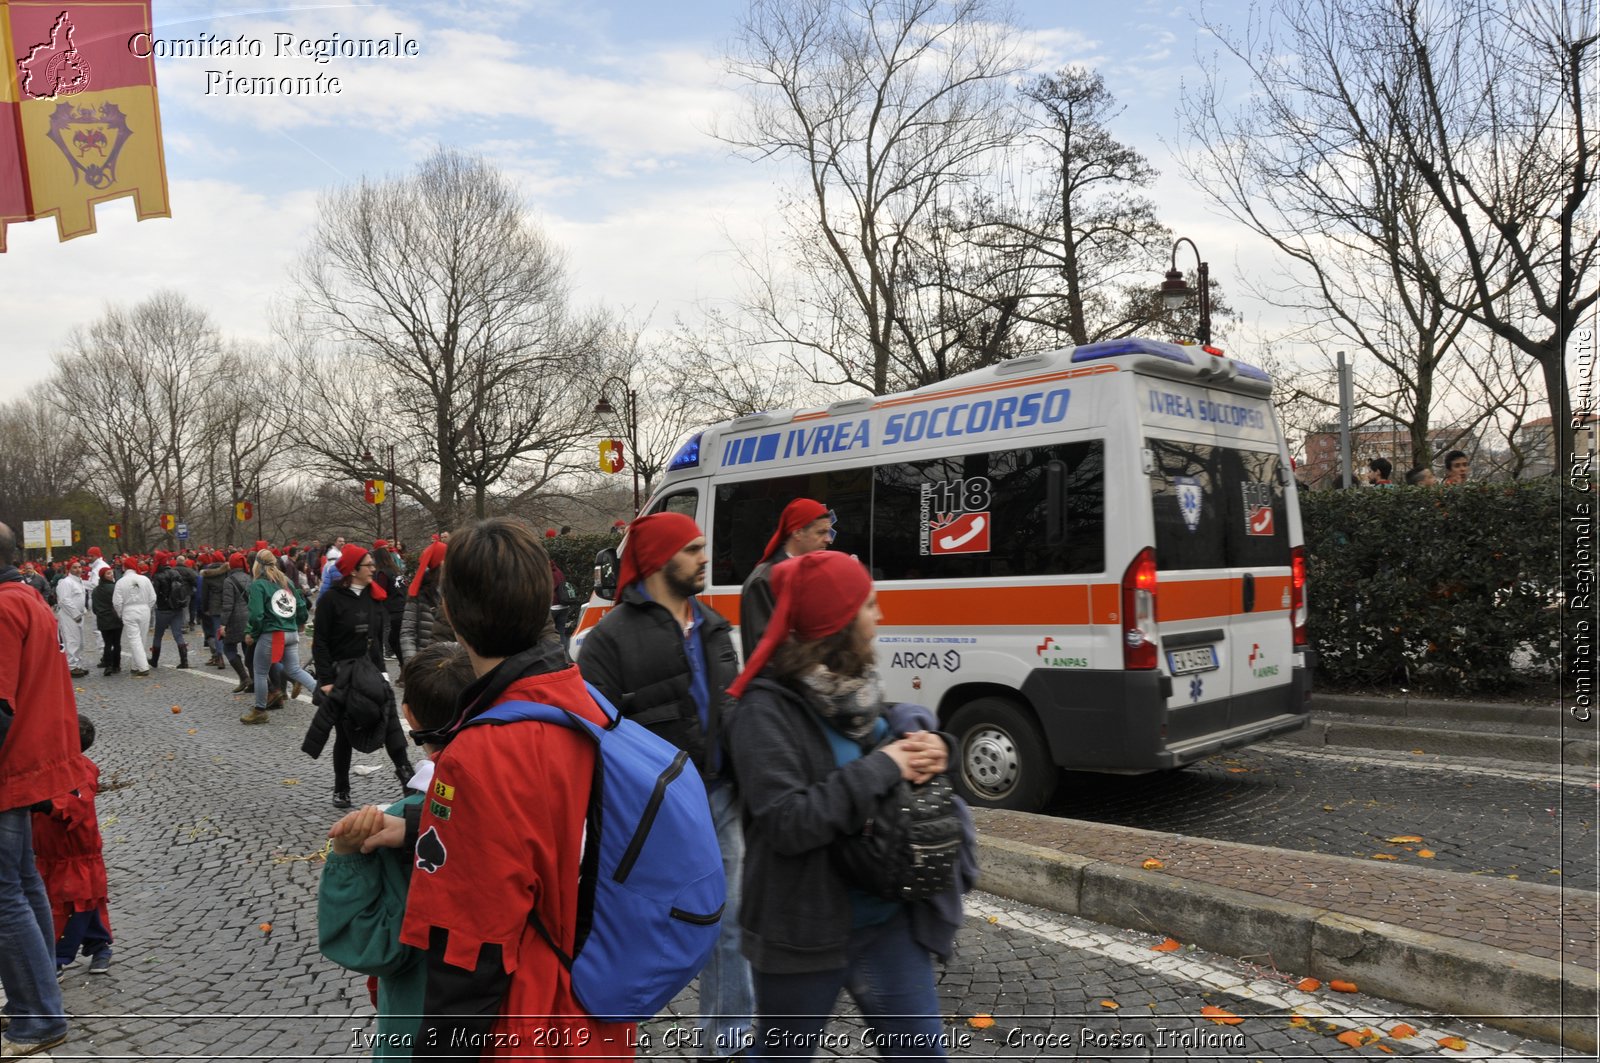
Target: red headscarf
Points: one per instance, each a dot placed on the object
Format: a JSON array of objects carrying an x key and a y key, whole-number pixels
[
  {"x": 816, "y": 595},
  {"x": 796, "y": 515},
  {"x": 651, "y": 543},
  {"x": 432, "y": 554}
]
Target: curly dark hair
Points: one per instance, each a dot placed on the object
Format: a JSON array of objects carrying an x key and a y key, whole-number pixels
[{"x": 840, "y": 653}]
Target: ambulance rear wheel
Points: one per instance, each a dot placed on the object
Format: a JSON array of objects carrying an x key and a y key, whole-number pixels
[{"x": 1002, "y": 759}]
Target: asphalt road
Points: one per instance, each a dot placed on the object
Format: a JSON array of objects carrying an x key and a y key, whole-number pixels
[
  {"x": 213, "y": 834},
  {"x": 1530, "y": 822}
]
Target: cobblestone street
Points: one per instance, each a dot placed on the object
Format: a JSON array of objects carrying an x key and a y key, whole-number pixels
[{"x": 213, "y": 840}]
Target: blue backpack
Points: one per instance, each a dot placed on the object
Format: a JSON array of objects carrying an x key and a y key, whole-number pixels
[{"x": 652, "y": 890}]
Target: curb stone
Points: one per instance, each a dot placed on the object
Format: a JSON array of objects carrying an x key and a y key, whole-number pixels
[{"x": 1526, "y": 994}]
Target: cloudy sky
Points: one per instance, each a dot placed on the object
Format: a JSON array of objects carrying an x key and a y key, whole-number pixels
[{"x": 600, "y": 111}]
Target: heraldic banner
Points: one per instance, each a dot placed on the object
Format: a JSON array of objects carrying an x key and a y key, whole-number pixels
[{"x": 78, "y": 117}]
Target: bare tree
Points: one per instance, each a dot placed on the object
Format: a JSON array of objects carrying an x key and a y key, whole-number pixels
[
  {"x": 886, "y": 108},
  {"x": 1089, "y": 247},
  {"x": 433, "y": 315},
  {"x": 1452, "y": 153},
  {"x": 723, "y": 371},
  {"x": 43, "y": 462}
]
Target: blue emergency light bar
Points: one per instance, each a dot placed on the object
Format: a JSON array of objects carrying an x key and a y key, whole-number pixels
[
  {"x": 688, "y": 455},
  {"x": 1090, "y": 352}
]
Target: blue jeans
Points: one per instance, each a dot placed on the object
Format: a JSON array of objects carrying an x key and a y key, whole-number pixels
[
  {"x": 889, "y": 976},
  {"x": 168, "y": 619},
  {"x": 727, "y": 996},
  {"x": 27, "y": 938},
  {"x": 291, "y": 664}
]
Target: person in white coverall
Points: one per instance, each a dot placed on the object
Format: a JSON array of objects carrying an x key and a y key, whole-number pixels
[
  {"x": 72, "y": 605},
  {"x": 134, "y": 599}
]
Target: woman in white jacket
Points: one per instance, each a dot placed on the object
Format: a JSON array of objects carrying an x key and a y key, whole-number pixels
[{"x": 133, "y": 600}]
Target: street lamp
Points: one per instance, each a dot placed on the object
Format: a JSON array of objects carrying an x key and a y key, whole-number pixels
[
  {"x": 1175, "y": 290},
  {"x": 630, "y": 423},
  {"x": 394, "y": 503}
]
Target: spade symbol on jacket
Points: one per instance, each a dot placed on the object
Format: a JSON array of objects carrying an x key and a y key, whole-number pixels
[{"x": 430, "y": 851}]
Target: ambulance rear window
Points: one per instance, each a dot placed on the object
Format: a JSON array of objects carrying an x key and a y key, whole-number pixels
[
  {"x": 1217, "y": 507},
  {"x": 988, "y": 515}
]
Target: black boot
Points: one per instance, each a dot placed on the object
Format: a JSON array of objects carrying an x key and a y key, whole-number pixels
[
  {"x": 341, "y": 799},
  {"x": 246, "y": 684},
  {"x": 404, "y": 774},
  {"x": 155, "y": 656},
  {"x": 183, "y": 656}
]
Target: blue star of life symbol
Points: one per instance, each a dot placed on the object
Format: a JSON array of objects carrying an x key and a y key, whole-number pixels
[{"x": 1194, "y": 689}]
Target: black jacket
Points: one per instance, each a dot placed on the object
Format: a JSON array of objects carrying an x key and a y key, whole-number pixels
[
  {"x": 794, "y": 915},
  {"x": 105, "y": 614},
  {"x": 755, "y": 604},
  {"x": 421, "y": 622},
  {"x": 360, "y": 706},
  {"x": 348, "y": 625},
  {"x": 211, "y": 580},
  {"x": 234, "y": 606},
  {"x": 635, "y": 657}
]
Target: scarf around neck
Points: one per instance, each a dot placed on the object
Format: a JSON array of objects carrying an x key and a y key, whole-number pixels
[{"x": 850, "y": 704}]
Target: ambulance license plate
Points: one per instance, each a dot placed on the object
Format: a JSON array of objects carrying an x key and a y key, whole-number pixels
[{"x": 1199, "y": 659}]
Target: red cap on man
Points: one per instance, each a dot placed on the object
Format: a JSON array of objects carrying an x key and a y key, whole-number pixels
[
  {"x": 651, "y": 543},
  {"x": 796, "y": 515}
]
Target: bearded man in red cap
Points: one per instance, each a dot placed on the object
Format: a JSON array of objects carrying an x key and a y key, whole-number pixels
[
  {"x": 804, "y": 526},
  {"x": 665, "y": 659}
]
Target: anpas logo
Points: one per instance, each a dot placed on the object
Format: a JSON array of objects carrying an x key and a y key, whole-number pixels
[
  {"x": 1258, "y": 663},
  {"x": 1057, "y": 659},
  {"x": 948, "y": 661}
]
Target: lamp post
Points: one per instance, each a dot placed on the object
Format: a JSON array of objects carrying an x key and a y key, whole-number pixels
[
  {"x": 630, "y": 424},
  {"x": 394, "y": 503},
  {"x": 1175, "y": 290}
]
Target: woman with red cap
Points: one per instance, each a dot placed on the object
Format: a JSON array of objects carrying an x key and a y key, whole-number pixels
[
  {"x": 804, "y": 527},
  {"x": 277, "y": 613},
  {"x": 810, "y": 711},
  {"x": 422, "y": 622}
]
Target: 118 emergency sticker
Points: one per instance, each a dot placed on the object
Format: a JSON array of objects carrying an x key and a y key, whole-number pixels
[{"x": 955, "y": 516}]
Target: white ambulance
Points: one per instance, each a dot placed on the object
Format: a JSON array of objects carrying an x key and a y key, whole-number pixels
[{"x": 1088, "y": 559}]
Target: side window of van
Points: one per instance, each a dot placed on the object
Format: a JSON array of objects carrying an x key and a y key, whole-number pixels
[
  {"x": 745, "y": 515},
  {"x": 685, "y": 502},
  {"x": 984, "y": 515},
  {"x": 1217, "y": 507}
]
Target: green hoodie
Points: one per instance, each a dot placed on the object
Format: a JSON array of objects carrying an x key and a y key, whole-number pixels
[
  {"x": 360, "y": 906},
  {"x": 267, "y": 610}
]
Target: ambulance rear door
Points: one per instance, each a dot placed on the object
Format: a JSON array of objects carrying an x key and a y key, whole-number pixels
[{"x": 1216, "y": 490}]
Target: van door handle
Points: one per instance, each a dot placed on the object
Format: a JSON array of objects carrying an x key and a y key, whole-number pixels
[{"x": 1249, "y": 592}]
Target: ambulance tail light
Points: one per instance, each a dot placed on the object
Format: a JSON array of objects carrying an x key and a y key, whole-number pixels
[
  {"x": 1139, "y": 612},
  {"x": 1297, "y": 596}
]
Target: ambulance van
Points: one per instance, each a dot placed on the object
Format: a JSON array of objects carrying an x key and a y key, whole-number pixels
[{"x": 1088, "y": 559}]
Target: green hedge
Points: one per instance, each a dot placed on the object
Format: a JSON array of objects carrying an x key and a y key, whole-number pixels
[
  {"x": 575, "y": 555},
  {"x": 1448, "y": 588}
]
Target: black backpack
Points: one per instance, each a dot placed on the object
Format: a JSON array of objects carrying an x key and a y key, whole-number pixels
[
  {"x": 172, "y": 591},
  {"x": 911, "y": 846}
]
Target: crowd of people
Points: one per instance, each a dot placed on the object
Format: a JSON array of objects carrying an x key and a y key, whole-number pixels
[{"x": 464, "y": 900}]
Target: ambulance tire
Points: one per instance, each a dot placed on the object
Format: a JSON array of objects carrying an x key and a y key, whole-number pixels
[{"x": 1001, "y": 758}]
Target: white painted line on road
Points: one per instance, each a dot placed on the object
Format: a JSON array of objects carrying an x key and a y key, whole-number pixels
[
  {"x": 1575, "y": 776},
  {"x": 1227, "y": 979}
]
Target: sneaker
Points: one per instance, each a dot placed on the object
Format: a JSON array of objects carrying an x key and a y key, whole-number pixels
[
  {"x": 79, "y": 673},
  {"x": 140, "y": 675},
  {"x": 100, "y": 962},
  {"x": 10, "y": 1049},
  {"x": 341, "y": 799},
  {"x": 274, "y": 699},
  {"x": 255, "y": 715}
]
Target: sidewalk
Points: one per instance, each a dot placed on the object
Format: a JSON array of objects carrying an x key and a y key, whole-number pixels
[{"x": 1521, "y": 956}]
